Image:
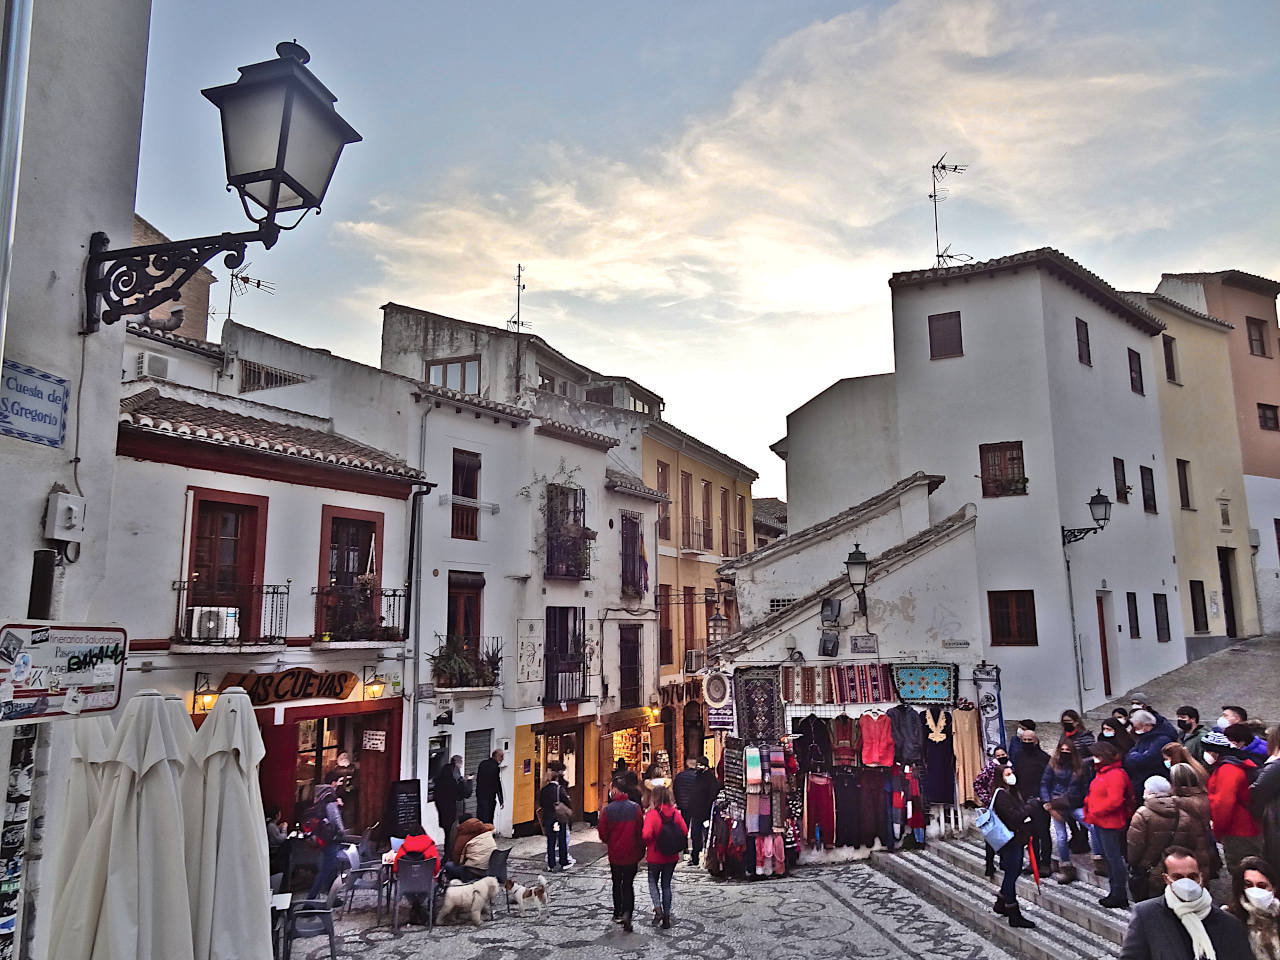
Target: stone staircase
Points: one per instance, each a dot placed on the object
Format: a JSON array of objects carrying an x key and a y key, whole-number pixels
[{"x": 1069, "y": 922}]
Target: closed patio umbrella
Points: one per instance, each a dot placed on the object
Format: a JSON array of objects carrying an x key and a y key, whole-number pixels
[
  {"x": 182, "y": 724},
  {"x": 126, "y": 898},
  {"x": 227, "y": 861},
  {"x": 91, "y": 738}
]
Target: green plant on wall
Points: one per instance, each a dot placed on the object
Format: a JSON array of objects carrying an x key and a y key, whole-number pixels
[
  {"x": 454, "y": 664},
  {"x": 562, "y": 532}
]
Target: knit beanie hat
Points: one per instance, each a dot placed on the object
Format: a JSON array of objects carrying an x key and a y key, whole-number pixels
[
  {"x": 1157, "y": 787},
  {"x": 1215, "y": 742}
]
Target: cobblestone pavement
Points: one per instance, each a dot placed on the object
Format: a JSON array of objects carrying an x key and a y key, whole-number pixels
[{"x": 820, "y": 912}]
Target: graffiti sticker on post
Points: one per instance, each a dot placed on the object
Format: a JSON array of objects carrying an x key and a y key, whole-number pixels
[{"x": 52, "y": 670}]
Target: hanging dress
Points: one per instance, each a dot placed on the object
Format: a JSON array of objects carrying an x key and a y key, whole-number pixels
[
  {"x": 967, "y": 747},
  {"x": 939, "y": 756}
]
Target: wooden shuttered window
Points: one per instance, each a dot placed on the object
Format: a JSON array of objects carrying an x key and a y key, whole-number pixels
[
  {"x": 1013, "y": 617},
  {"x": 1135, "y": 629},
  {"x": 1199, "y": 612},
  {"x": 1122, "y": 485},
  {"x": 1162, "y": 617},
  {"x": 1082, "y": 343},
  {"x": 1148, "y": 489},
  {"x": 1003, "y": 470},
  {"x": 944, "y": 336},
  {"x": 1135, "y": 371}
]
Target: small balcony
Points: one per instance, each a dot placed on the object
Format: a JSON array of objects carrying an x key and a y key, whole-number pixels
[
  {"x": 467, "y": 664},
  {"x": 566, "y": 679},
  {"x": 229, "y": 618},
  {"x": 737, "y": 542},
  {"x": 1004, "y": 486},
  {"x": 364, "y": 615},
  {"x": 695, "y": 534},
  {"x": 569, "y": 553},
  {"x": 465, "y": 524},
  {"x": 633, "y": 575}
]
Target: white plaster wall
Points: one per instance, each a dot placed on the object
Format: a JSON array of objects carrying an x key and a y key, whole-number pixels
[
  {"x": 185, "y": 367},
  {"x": 1263, "y": 494}
]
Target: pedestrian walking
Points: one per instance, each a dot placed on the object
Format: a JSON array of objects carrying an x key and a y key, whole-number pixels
[
  {"x": 1253, "y": 903},
  {"x": 1175, "y": 753},
  {"x": 1182, "y": 925},
  {"x": 1144, "y": 758},
  {"x": 1029, "y": 764},
  {"x": 621, "y": 829},
  {"x": 1015, "y": 810},
  {"x": 1194, "y": 828},
  {"x": 1062, "y": 789},
  {"x": 984, "y": 785},
  {"x": 1191, "y": 731},
  {"x": 1108, "y": 806},
  {"x": 449, "y": 789},
  {"x": 555, "y": 813},
  {"x": 1152, "y": 829},
  {"x": 1264, "y": 799},
  {"x": 1233, "y": 823},
  {"x": 705, "y": 790},
  {"x": 683, "y": 786},
  {"x": 665, "y": 837},
  {"x": 327, "y": 829},
  {"x": 489, "y": 786}
]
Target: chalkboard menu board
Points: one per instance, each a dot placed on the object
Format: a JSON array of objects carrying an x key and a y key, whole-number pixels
[
  {"x": 735, "y": 776},
  {"x": 406, "y": 806}
]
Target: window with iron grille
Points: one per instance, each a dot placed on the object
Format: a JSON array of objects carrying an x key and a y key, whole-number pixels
[
  {"x": 1268, "y": 416},
  {"x": 1013, "y": 617},
  {"x": 1170, "y": 357},
  {"x": 1135, "y": 629},
  {"x": 465, "y": 522},
  {"x": 1162, "y": 617},
  {"x": 1257, "y": 336},
  {"x": 1003, "y": 473},
  {"x": 781, "y": 603},
  {"x": 1148, "y": 489},
  {"x": 1135, "y": 371},
  {"x": 1199, "y": 613},
  {"x": 259, "y": 376},
  {"x": 944, "y": 336},
  {"x": 1082, "y": 343},
  {"x": 629, "y": 666},
  {"x": 666, "y": 648},
  {"x": 1184, "y": 484},
  {"x": 1122, "y": 486}
]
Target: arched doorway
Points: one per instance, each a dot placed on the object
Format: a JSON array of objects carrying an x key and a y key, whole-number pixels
[{"x": 694, "y": 731}]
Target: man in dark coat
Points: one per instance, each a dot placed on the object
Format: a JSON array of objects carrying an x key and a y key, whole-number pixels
[
  {"x": 489, "y": 786},
  {"x": 1145, "y": 758},
  {"x": 450, "y": 789},
  {"x": 1029, "y": 764},
  {"x": 683, "y": 785},
  {"x": 1156, "y": 932},
  {"x": 705, "y": 789}
]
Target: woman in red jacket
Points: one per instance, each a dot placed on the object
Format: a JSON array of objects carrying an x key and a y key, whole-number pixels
[
  {"x": 659, "y": 856},
  {"x": 1233, "y": 823},
  {"x": 1108, "y": 806}
]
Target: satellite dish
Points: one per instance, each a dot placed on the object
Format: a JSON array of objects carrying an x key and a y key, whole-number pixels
[{"x": 716, "y": 690}]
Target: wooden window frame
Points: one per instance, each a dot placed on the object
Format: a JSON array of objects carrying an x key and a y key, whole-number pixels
[
  {"x": 1084, "y": 352},
  {"x": 666, "y": 643},
  {"x": 1002, "y": 605},
  {"x": 1258, "y": 326},
  {"x": 1136, "y": 383},
  {"x": 725, "y": 549},
  {"x": 630, "y": 639},
  {"x": 1268, "y": 416},
  {"x": 662, "y": 479},
  {"x": 465, "y": 517},
  {"x": 1184, "y": 484},
  {"x": 941, "y": 334},
  {"x": 256, "y": 547},
  {"x": 1170, "y": 347},
  {"x": 1199, "y": 610},
  {"x": 689, "y": 599},
  {"x": 331, "y": 511},
  {"x": 445, "y": 362},
  {"x": 1148, "y": 480},
  {"x": 1122, "y": 483},
  {"x": 1160, "y": 601},
  {"x": 1009, "y": 476},
  {"x": 1135, "y": 626}
]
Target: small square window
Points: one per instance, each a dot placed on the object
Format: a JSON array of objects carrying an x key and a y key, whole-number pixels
[
  {"x": 1268, "y": 416},
  {"x": 1003, "y": 471},
  {"x": 944, "y": 336},
  {"x": 1013, "y": 617}
]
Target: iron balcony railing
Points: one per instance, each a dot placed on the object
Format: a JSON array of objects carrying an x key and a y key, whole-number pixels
[
  {"x": 632, "y": 575},
  {"x": 664, "y": 521},
  {"x": 695, "y": 533},
  {"x": 737, "y": 543},
  {"x": 566, "y": 678},
  {"x": 466, "y": 661},
  {"x": 466, "y": 521},
  {"x": 568, "y": 555},
  {"x": 230, "y": 616},
  {"x": 359, "y": 614}
]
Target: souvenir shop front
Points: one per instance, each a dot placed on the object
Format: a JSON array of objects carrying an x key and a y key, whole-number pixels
[{"x": 834, "y": 761}]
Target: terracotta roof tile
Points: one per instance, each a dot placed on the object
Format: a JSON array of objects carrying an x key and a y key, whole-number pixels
[
  {"x": 630, "y": 483},
  {"x": 567, "y": 431},
  {"x": 445, "y": 395}
]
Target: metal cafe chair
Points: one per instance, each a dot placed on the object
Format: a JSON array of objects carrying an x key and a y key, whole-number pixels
[{"x": 413, "y": 877}]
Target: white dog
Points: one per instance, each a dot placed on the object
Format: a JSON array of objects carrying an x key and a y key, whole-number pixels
[
  {"x": 469, "y": 899},
  {"x": 530, "y": 899}
]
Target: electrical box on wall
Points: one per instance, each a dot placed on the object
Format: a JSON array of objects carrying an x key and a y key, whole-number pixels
[{"x": 64, "y": 518}]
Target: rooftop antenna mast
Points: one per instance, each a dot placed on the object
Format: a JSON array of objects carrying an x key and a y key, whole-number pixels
[
  {"x": 515, "y": 324},
  {"x": 943, "y": 257},
  {"x": 241, "y": 282}
]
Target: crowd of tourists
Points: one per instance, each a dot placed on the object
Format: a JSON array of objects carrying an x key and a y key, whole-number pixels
[{"x": 1163, "y": 807}]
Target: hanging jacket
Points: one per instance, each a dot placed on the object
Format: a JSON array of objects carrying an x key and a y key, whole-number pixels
[
  {"x": 1229, "y": 799},
  {"x": 1063, "y": 783},
  {"x": 877, "y": 740},
  {"x": 908, "y": 734},
  {"x": 1109, "y": 803}
]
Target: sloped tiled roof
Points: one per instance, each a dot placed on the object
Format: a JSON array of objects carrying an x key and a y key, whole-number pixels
[
  {"x": 771, "y": 512},
  {"x": 445, "y": 395},
  {"x": 206, "y": 347},
  {"x": 1235, "y": 278},
  {"x": 823, "y": 527},
  {"x": 1068, "y": 270},
  {"x": 629, "y": 483},
  {"x": 744, "y": 640},
  {"x": 1142, "y": 297},
  {"x": 155, "y": 413},
  {"x": 579, "y": 435}
]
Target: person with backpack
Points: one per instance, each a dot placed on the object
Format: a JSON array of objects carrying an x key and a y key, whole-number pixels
[
  {"x": 1230, "y": 773},
  {"x": 621, "y": 829},
  {"x": 553, "y": 802},
  {"x": 666, "y": 837},
  {"x": 327, "y": 829}
]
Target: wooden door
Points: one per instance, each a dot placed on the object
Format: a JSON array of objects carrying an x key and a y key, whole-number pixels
[{"x": 1102, "y": 642}]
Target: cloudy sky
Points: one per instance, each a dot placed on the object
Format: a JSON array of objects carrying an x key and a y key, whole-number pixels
[{"x": 710, "y": 197}]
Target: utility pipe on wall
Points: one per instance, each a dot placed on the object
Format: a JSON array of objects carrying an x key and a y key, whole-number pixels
[{"x": 14, "y": 58}]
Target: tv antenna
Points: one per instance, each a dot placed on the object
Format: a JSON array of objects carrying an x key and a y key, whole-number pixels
[
  {"x": 241, "y": 283},
  {"x": 943, "y": 257},
  {"x": 515, "y": 324}
]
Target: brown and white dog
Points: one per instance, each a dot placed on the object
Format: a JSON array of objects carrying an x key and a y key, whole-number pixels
[
  {"x": 472, "y": 900},
  {"x": 530, "y": 899}
]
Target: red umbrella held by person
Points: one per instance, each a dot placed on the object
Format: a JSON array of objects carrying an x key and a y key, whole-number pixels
[{"x": 1035, "y": 867}]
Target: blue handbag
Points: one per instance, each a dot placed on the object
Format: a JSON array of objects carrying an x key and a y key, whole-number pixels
[{"x": 993, "y": 829}]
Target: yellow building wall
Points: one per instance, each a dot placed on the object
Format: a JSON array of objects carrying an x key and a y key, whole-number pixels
[
  {"x": 1198, "y": 424},
  {"x": 523, "y": 799}
]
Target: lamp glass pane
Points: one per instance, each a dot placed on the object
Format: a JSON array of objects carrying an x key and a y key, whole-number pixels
[
  {"x": 251, "y": 123},
  {"x": 315, "y": 143},
  {"x": 260, "y": 192}
]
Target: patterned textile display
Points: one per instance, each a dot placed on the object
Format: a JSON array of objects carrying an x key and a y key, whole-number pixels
[
  {"x": 926, "y": 683},
  {"x": 872, "y": 683},
  {"x": 967, "y": 746},
  {"x": 808, "y": 685},
  {"x": 788, "y": 691},
  {"x": 986, "y": 677},
  {"x": 838, "y": 683},
  {"x": 760, "y": 711}
]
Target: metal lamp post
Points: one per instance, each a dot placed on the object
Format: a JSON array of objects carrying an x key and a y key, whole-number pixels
[
  {"x": 282, "y": 139},
  {"x": 1100, "y": 511}
]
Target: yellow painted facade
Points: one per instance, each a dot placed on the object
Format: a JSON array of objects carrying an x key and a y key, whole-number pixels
[{"x": 1206, "y": 495}]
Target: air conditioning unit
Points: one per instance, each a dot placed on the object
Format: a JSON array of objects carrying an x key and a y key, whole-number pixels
[
  {"x": 214, "y": 623},
  {"x": 694, "y": 660},
  {"x": 153, "y": 365}
]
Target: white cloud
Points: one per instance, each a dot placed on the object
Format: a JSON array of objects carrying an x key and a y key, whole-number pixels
[{"x": 746, "y": 259}]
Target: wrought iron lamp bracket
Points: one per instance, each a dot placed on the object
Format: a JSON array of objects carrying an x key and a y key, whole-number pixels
[
  {"x": 133, "y": 280},
  {"x": 1072, "y": 534}
]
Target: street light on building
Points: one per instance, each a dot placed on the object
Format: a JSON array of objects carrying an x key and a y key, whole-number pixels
[
  {"x": 857, "y": 565},
  {"x": 282, "y": 139},
  {"x": 1099, "y": 509},
  {"x": 717, "y": 630}
]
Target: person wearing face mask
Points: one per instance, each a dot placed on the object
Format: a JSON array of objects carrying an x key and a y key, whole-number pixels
[
  {"x": 1264, "y": 798},
  {"x": 1254, "y": 903},
  {"x": 1107, "y": 807},
  {"x": 1121, "y": 716},
  {"x": 1062, "y": 793},
  {"x": 1176, "y": 753},
  {"x": 1117, "y": 734},
  {"x": 1030, "y": 763},
  {"x": 1144, "y": 758},
  {"x": 1233, "y": 823},
  {"x": 1073, "y": 726},
  {"x": 1191, "y": 731},
  {"x": 1242, "y": 737},
  {"x": 984, "y": 785},
  {"x": 1140, "y": 701},
  {"x": 1016, "y": 812},
  {"x": 1231, "y": 713},
  {"x": 1194, "y": 831},
  {"x": 1182, "y": 924}
]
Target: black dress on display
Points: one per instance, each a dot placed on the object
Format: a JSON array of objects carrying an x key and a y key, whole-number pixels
[{"x": 939, "y": 780}]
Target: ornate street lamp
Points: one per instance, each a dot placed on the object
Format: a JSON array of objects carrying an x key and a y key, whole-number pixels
[
  {"x": 1099, "y": 509},
  {"x": 857, "y": 565},
  {"x": 717, "y": 630},
  {"x": 282, "y": 138}
]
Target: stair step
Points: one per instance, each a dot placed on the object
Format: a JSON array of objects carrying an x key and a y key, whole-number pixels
[
  {"x": 1088, "y": 880},
  {"x": 969, "y": 900},
  {"x": 1076, "y": 902}
]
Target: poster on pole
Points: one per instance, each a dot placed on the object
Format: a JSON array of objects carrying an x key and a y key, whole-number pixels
[{"x": 53, "y": 670}]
